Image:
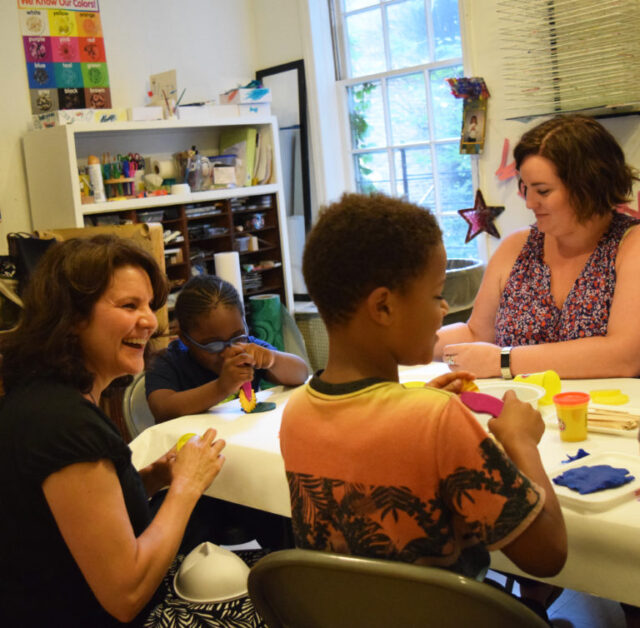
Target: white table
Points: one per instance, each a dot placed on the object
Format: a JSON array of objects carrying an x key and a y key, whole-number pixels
[{"x": 604, "y": 547}]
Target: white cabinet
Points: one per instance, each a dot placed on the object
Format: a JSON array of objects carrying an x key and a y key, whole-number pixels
[{"x": 52, "y": 157}]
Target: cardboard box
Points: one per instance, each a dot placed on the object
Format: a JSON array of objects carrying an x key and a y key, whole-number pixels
[
  {"x": 244, "y": 96},
  {"x": 138, "y": 114},
  {"x": 62, "y": 116}
]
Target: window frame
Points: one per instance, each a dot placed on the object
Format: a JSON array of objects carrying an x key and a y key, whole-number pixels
[{"x": 342, "y": 61}]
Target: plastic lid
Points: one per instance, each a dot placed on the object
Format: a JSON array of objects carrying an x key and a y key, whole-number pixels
[
  {"x": 210, "y": 573},
  {"x": 571, "y": 398}
]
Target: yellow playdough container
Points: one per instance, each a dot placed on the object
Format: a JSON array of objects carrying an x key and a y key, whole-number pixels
[
  {"x": 571, "y": 408},
  {"x": 549, "y": 380}
]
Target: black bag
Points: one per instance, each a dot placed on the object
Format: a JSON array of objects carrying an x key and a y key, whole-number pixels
[{"x": 26, "y": 251}]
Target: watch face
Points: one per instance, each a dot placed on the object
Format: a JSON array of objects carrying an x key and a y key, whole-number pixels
[{"x": 505, "y": 362}]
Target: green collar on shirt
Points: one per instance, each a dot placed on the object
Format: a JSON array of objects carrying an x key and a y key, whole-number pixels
[{"x": 344, "y": 388}]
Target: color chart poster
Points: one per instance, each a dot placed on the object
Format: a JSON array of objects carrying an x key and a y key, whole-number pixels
[{"x": 65, "y": 56}]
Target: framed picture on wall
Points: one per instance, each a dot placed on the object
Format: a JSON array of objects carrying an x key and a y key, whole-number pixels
[{"x": 289, "y": 105}]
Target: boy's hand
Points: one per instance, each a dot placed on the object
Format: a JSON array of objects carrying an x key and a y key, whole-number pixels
[
  {"x": 237, "y": 369},
  {"x": 518, "y": 422},
  {"x": 453, "y": 382},
  {"x": 263, "y": 358}
]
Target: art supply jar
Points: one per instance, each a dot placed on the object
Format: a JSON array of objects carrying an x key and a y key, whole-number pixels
[
  {"x": 242, "y": 243},
  {"x": 572, "y": 409}
]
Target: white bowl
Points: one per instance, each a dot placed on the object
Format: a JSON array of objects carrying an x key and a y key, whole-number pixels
[
  {"x": 525, "y": 392},
  {"x": 210, "y": 573}
]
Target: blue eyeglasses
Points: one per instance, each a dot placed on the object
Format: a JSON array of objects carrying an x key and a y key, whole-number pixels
[{"x": 217, "y": 346}]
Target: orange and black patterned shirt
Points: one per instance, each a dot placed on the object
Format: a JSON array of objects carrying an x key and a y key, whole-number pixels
[{"x": 379, "y": 470}]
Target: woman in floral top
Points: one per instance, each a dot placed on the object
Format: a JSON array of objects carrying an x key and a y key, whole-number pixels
[{"x": 565, "y": 292}]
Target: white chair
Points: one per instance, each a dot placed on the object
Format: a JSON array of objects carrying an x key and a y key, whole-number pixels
[{"x": 135, "y": 409}]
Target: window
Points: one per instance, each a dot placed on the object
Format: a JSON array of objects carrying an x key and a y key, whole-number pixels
[{"x": 393, "y": 58}]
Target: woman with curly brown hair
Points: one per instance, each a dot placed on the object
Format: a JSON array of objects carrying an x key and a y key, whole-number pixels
[
  {"x": 562, "y": 294},
  {"x": 79, "y": 544}
]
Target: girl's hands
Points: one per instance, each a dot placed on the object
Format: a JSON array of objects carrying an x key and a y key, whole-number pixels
[
  {"x": 198, "y": 462},
  {"x": 453, "y": 382},
  {"x": 263, "y": 358},
  {"x": 239, "y": 363},
  {"x": 237, "y": 368}
]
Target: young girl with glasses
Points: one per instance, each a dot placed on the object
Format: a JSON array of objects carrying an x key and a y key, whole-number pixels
[{"x": 214, "y": 354}]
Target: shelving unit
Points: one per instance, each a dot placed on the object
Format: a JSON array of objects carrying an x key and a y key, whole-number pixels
[{"x": 53, "y": 156}]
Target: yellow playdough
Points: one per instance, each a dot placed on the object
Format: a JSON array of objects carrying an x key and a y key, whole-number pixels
[
  {"x": 183, "y": 439},
  {"x": 247, "y": 404},
  {"x": 613, "y": 397}
]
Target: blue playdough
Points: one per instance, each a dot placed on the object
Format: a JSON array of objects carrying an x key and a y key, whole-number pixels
[
  {"x": 581, "y": 453},
  {"x": 599, "y": 477}
]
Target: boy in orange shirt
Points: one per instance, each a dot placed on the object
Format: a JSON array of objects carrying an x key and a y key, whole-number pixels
[{"x": 380, "y": 470}]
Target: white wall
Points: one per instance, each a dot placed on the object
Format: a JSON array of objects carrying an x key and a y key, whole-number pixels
[
  {"x": 484, "y": 58},
  {"x": 210, "y": 43},
  {"x": 278, "y": 32},
  {"x": 218, "y": 44}
]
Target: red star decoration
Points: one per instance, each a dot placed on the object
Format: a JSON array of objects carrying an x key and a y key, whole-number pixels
[{"x": 480, "y": 218}]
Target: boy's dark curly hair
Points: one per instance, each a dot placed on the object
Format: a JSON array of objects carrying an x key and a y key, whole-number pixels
[
  {"x": 363, "y": 242},
  {"x": 587, "y": 159},
  {"x": 61, "y": 293}
]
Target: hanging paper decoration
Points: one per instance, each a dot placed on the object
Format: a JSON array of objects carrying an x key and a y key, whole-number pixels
[
  {"x": 474, "y": 112},
  {"x": 480, "y": 218},
  {"x": 627, "y": 209},
  {"x": 506, "y": 171}
]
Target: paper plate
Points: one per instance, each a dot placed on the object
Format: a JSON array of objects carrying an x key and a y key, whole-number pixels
[
  {"x": 601, "y": 500},
  {"x": 531, "y": 393},
  {"x": 210, "y": 574}
]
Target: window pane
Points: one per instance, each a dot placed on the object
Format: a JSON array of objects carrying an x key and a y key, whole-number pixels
[
  {"x": 456, "y": 188},
  {"x": 414, "y": 175},
  {"x": 372, "y": 173},
  {"x": 447, "y": 110},
  {"x": 366, "y": 115},
  {"x": 407, "y": 34},
  {"x": 352, "y": 5},
  {"x": 365, "y": 43},
  {"x": 446, "y": 29},
  {"x": 454, "y": 230},
  {"x": 408, "y": 109}
]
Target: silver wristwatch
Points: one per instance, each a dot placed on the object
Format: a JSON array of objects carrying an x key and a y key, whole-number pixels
[{"x": 505, "y": 363}]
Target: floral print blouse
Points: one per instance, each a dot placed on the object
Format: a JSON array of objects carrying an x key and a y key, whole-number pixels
[{"x": 527, "y": 313}]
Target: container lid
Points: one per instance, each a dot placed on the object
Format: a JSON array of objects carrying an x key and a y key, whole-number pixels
[
  {"x": 571, "y": 398},
  {"x": 210, "y": 573}
]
